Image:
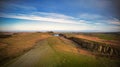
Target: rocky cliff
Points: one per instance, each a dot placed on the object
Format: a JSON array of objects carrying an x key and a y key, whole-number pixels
[{"x": 99, "y": 48}]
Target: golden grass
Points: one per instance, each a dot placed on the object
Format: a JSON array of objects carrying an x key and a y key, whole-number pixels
[
  {"x": 96, "y": 39},
  {"x": 62, "y": 44},
  {"x": 19, "y": 43}
]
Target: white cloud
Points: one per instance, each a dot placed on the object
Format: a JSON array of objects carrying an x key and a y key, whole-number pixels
[
  {"x": 55, "y": 21},
  {"x": 48, "y": 17},
  {"x": 114, "y": 21},
  {"x": 53, "y": 15},
  {"x": 99, "y": 19},
  {"x": 44, "y": 27}
]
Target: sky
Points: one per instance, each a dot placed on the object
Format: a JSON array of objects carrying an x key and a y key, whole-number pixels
[{"x": 60, "y": 15}]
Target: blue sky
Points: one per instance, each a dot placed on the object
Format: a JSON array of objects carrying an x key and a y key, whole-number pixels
[{"x": 58, "y": 15}]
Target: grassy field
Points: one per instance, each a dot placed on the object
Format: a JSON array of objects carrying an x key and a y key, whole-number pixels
[
  {"x": 59, "y": 52},
  {"x": 19, "y": 43},
  {"x": 106, "y": 36}
]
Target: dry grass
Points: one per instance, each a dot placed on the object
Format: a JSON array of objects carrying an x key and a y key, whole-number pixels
[
  {"x": 96, "y": 39},
  {"x": 19, "y": 43},
  {"x": 62, "y": 44},
  {"x": 58, "y": 52},
  {"x": 66, "y": 45}
]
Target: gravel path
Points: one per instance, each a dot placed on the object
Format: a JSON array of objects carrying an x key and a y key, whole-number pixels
[{"x": 32, "y": 57}]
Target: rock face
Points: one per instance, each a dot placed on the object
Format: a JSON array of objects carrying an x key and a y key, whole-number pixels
[{"x": 101, "y": 48}]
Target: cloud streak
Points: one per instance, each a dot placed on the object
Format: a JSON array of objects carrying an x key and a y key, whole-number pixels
[
  {"x": 61, "y": 18},
  {"x": 97, "y": 22},
  {"x": 47, "y": 17}
]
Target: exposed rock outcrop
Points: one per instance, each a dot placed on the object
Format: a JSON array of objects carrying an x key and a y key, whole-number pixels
[{"x": 100, "y": 48}]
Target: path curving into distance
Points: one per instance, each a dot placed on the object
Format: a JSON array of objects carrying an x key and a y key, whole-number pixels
[{"x": 58, "y": 52}]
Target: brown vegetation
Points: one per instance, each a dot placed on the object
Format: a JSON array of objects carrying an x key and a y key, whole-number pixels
[
  {"x": 19, "y": 43},
  {"x": 67, "y": 45},
  {"x": 93, "y": 38}
]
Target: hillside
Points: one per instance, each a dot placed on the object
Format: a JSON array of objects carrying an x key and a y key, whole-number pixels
[{"x": 59, "y": 52}]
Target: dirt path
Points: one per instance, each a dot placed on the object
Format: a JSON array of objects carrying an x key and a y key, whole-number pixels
[
  {"x": 30, "y": 58},
  {"x": 55, "y": 52},
  {"x": 43, "y": 48}
]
